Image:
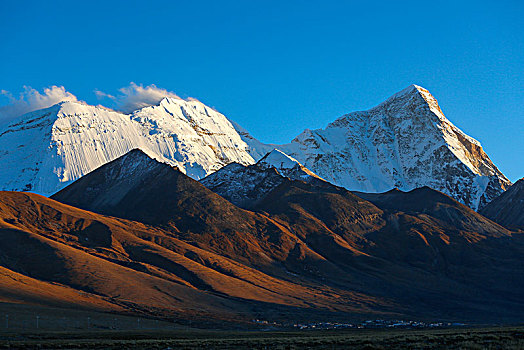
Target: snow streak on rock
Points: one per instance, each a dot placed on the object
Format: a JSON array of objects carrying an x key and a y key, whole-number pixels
[
  {"x": 45, "y": 150},
  {"x": 244, "y": 186}
]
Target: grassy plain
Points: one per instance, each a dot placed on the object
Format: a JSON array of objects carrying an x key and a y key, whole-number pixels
[{"x": 452, "y": 338}]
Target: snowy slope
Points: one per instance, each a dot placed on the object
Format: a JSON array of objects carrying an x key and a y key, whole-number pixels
[
  {"x": 244, "y": 186},
  {"x": 405, "y": 142},
  {"x": 286, "y": 166},
  {"x": 45, "y": 150}
]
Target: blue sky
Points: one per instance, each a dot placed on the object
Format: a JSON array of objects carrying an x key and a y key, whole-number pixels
[{"x": 277, "y": 67}]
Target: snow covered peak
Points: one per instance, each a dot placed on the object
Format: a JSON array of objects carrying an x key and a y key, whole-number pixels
[
  {"x": 413, "y": 94},
  {"x": 278, "y": 159},
  {"x": 287, "y": 166},
  {"x": 244, "y": 186},
  {"x": 169, "y": 99},
  {"x": 405, "y": 142},
  {"x": 410, "y": 90},
  {"x": 45, "y": 150}
]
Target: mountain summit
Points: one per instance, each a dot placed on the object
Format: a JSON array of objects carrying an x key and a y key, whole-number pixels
[
  {"x": 286, "y": 165},
  {"x": 404, "y": 142},
  {"x": 45, "y": 150},
  {"x": 245, "y": 186}
]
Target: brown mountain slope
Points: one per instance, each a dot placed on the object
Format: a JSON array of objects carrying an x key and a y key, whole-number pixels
[
  {"x": 48, "y": 241},
  {"x": 18, "y": 288},
  {"x": 437, "y": 205},
  {"x": 414, "y": 227},
  {"x": 422, "y": 229},
  {"x": 393, "y": 243},
  {"x": 315, "y": 248},
  {"x": 160, "y": 195},
  {"x": 508, "y": 208},
  {"x": 127, "y": 266},
  {"x": 433, "y": 230}
]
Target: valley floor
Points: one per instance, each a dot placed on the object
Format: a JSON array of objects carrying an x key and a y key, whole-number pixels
[{"x": 452, "y": 338}]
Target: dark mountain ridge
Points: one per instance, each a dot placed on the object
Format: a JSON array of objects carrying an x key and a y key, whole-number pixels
[
  {"x": 508, "y": 208},
  {"x": 400, "y": 251}
]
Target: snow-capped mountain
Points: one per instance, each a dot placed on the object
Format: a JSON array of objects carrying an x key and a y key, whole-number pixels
[
  {"x": 45, "y": 150},
  {"x": 405, "y": 142},
  {"x": 286, "y": 166},
  {"x": 244, "y": 186}
]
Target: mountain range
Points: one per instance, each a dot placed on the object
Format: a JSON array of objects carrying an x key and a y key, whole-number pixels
[
  {"x": 244, "y": 185},
  {"x": 175, "y": 212},
  {"x": 138, "y": 236},
  {"x": 405, "y": 142}
]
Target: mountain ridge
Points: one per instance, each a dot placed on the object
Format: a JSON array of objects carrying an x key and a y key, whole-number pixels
[
  {"x": 308, "y": 250},
  {"x": 508, "y": 208},
  {"x": 405, "y": 142},
  {"x": 47, "y": 149},
  {"x": 244, "y": 186}
]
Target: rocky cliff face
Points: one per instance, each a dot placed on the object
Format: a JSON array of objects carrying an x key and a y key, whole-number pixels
[
  {"x": 45, "y": 150},
  {"x": 244, "y": 186},
  {"x": 405, "y": 142}
]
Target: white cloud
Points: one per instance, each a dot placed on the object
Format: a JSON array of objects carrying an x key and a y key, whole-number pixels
[
  {"x": 101, "y": 95},
  {"x": 31, "y": 100},
  {"x": 136, "y": 96},
  {"x": 129, "y": 99}
]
